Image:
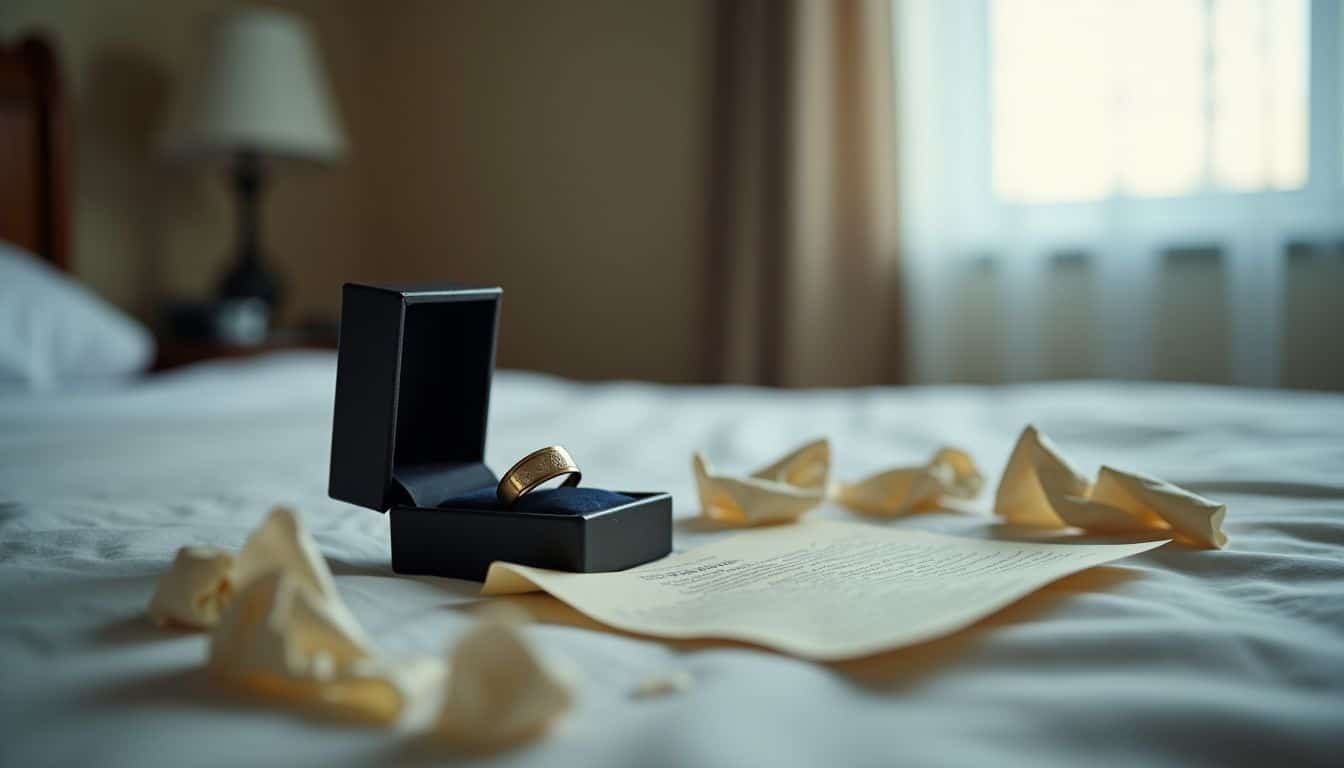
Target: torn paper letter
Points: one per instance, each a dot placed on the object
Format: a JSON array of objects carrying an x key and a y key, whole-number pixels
[
  {"x": 950, "y": 473},
  {"x": 781, "y": 492},
  {"x": 501, "y": 692},
  {"x": 195, "y": 589},
  {"x": 818, "y": 590},
  {"x": 1040, "y": 487}
]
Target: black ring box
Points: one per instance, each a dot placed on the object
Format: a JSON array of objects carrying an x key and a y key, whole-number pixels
[{"x": 413, "y": 378}]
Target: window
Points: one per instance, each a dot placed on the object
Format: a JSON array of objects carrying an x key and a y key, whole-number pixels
[
  {"x": 1148, "y": 98},
  {"x": 1111, "y": 188}
]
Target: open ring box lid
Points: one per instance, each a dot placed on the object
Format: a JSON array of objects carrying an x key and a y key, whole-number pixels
[{"x": 413, "y": 379}]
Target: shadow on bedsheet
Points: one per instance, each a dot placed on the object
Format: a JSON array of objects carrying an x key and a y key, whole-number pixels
[
  {"x": 183, "y": 687},
  {"x": 139, "y": 630},
  {"x": 899, "y": 668},
  {"x": 340, "y": 567},
  {"x": 1036, "y": 534},
  {"x": 827, "y": 511},
  {"x": 192, "y": 687},
  {"x": 10, "y": 510},
  {"x": 906, "y": 667}
]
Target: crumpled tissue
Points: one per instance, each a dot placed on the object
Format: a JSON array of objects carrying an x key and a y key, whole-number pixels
[
  {"x": 795, "y": 484},
  {"x": 1041, "y": 488},
  {"x": 288, "y": 633},
  {"x": 195, "y": 589},
  {"x": 950, "y": 473},
  {"x": 501, "y": 692},
  {"x": 279, "y": 628},
  {"x": 783, "y": 491}
]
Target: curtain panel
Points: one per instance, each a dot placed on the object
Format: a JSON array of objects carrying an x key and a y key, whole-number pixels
[{"x": 803, "y": 273}]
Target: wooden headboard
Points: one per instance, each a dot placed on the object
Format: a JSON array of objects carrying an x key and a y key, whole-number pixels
[{"x": 34, "y": 152}]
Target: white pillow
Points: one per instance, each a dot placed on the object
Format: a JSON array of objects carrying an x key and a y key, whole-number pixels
[{"x": 55, "y": 334}]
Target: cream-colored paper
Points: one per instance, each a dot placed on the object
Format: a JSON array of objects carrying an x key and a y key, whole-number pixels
[
  {"x": 950, "y": 473},
  {"x": 1040, "y": 487},
  {"x": 796, "y": 484},
  {"x": 288, "y": 634},
  {"x": 195, "y": 589},
  {"x": 819, "y": 590},
  {"x": 500, "y": 692},
  {"x": 281, "y": 639},
  {"x": 281, "y": 630},
  {"x": 781, "y": 492},
  {"x": 198, "y": 587},
  {"x": 807, "y": 467},
  {"x": 282, "y": 543},
  {"x": 279, "y": 627}
]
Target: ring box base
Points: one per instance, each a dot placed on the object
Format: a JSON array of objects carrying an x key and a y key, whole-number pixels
[{"x": 461, "y": 543}]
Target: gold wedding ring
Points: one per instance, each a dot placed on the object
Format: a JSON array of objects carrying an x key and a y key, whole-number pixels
[{"x": 536, "y": 468}]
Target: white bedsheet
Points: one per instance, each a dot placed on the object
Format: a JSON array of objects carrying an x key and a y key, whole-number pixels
[{"x": 1176, "y": 657}]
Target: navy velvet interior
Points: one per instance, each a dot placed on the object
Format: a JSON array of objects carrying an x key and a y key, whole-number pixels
[
  {"x": 554, "y": 501},
  {"x": 443, "y": 391}
]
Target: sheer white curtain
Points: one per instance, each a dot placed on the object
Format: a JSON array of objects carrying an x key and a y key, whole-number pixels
[{"x": 1093, "y": 188}]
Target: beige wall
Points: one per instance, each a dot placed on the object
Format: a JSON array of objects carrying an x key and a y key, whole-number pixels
[{"x": 556, "y": 149}]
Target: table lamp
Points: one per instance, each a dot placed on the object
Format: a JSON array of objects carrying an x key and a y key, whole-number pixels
[{"x": 261, "y": 98}]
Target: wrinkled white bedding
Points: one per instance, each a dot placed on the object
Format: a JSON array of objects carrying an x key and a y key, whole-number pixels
[{"x": 1176, "y": 656}]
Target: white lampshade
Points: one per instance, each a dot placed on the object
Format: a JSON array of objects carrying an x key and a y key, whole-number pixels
[{"x": 261, "y": 90}]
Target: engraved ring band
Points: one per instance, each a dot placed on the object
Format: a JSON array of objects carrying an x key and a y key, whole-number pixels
[{"x": 536, "y": 468}]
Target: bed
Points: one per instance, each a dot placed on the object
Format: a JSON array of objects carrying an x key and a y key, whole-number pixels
[{"x": 1176, "y": 656}]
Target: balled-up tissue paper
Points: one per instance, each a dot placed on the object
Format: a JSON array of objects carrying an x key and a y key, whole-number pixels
[
  {"x": 949, "y": 474},
  {"x": 794, "y": 485},
  {"x": 195, "y": 590},
  {"x": 784, "y": 491},
  {"x": 501, "y": 692},
  {"x": 279, "y": 628},
  {"x": 1041, "y": 488}
]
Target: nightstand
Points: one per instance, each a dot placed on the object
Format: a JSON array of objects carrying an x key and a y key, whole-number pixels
[{"x": 174, "y": 353}]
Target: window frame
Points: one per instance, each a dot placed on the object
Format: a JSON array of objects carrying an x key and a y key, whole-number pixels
[{"x": 953, "y": 219}]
